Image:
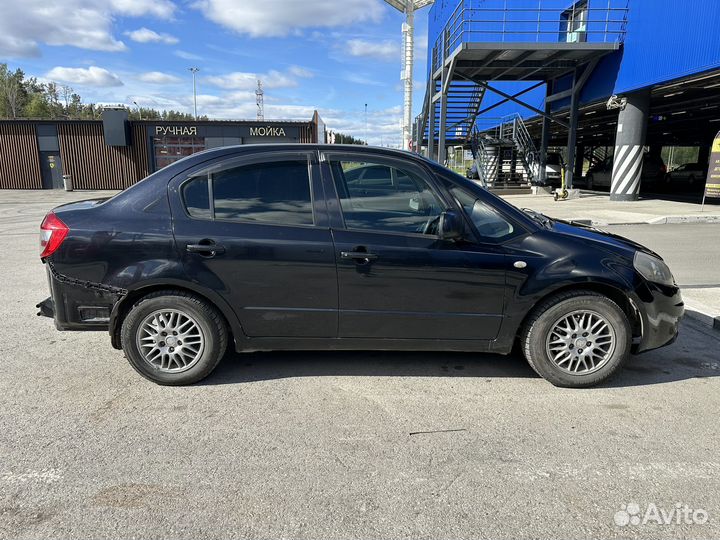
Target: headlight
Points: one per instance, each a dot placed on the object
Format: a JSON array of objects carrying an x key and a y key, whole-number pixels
[{"x": 653, "y": 269}]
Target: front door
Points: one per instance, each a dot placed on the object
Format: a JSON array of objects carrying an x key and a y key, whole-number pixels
[
  {"x": 255, "y": 231},
  {"x": 51, "y": 170},
  {"x": 396, "y": 277}
]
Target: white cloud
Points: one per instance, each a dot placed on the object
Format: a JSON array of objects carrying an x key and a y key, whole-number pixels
[
  {"x": 188, "y": 55},
  {"x": 17, "y": 47},
  {"x": 239, "y": 80},
  {"x": 86, "y": 24},
  {"x": 136, "y": 8},
  {"x": 282, "y": 17},
  {"x": 301, "y": 72},
  {"x": 145, "y": 35},
  {"x": 92, "y": 76},
  {"x": 158, "y": 77},
  {"x": 382, "y": 50}
]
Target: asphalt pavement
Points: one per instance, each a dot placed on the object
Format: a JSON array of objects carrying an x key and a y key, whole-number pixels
[{"x": 346, "y": 445}]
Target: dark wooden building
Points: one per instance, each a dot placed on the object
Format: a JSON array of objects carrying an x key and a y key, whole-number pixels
[{"x": 114, "y": 153}]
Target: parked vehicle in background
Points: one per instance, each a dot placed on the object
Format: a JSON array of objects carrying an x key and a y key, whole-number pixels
[
  {"x": 472, "y": 172},
  {"x": 690, "y": 175},
  {"x": 599, "y": 175},
  {"x": 553, "y": 169},
  {"x": 653, "y": 173},
  {"x": 290, "y": 247}
]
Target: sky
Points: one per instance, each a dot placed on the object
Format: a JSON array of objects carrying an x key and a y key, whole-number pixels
[{"x": 331, "y": 55}]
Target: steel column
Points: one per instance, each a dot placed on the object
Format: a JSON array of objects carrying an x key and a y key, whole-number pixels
[
  {"x": 443, "y": 121},
  {"x": 572, "y": 133},
  {"x": 629, "y": 147},
  {"x": 431, "y": 129},
  {"x": 545, "y": 136}
]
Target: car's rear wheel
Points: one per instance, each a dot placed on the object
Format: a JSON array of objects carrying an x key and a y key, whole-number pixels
[
  {"x": 173, "y": 337},
  {"x": 577, "y": 339}
]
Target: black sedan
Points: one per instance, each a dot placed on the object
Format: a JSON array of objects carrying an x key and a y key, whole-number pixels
[{"x": 287, "y": 247}]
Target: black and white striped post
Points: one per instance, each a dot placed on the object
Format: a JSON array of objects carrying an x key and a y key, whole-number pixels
[{"x": 629, "y": 147}]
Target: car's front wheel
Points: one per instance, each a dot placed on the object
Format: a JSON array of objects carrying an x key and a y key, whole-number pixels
[
  {"x": 173, "y": 338},
  {"x": 577, "y": 339}
]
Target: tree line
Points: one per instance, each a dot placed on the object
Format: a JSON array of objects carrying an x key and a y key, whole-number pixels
[{"x": 26, "y": 97}]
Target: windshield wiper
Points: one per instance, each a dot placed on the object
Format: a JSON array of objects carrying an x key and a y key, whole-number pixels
[{"x": 542, "y": 219}]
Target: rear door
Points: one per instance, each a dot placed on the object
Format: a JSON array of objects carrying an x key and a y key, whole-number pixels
[
  {"x": 255, "y": 230},
  {"x": 396, "y": 277}
]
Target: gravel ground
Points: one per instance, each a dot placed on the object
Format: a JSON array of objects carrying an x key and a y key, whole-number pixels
[{"x": 338, "y": 445}]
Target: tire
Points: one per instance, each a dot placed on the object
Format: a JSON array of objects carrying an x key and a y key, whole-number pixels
[
  {"x": 590, "y": 182},
  {"x": 553, "y": 314},
  {"x": 193, "y": 319}
]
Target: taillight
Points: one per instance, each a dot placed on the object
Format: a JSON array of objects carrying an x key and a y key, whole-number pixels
[{"x": 52, "y": 233}]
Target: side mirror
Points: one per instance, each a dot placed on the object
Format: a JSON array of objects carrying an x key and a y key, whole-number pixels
[{"x": 451, "y": 226}]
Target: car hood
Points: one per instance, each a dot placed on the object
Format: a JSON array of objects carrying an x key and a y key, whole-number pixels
[{"x": 594, "y": 235}]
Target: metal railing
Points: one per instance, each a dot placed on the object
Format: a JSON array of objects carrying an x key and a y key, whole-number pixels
[
  {"x": 493, "y": 21},
  {"x": 508, "y": 131}
]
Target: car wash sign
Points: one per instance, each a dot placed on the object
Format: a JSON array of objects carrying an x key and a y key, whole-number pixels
[{"x": 712, "y": 184}]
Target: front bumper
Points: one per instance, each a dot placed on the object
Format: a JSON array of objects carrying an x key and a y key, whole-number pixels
[{"x": 661, "y": 309}]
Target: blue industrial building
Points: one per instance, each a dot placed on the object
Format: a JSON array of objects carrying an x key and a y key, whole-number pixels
[{"x": 613, "y": 80}]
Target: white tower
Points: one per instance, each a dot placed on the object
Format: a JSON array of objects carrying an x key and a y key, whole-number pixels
[{"x": 408, "y": 7}]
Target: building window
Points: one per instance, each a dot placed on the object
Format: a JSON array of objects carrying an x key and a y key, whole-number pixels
[
  {"x": 574, "y": 23},
  {"x": 168, "y": 149}
]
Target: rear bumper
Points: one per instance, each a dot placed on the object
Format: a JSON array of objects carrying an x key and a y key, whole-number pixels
[
  {"x": 661, "y": 308},
  {"x": 75, "y": 305}
]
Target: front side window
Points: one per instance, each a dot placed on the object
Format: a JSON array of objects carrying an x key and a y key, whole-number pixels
[
  {"x": 273, "y": 192},
  {"x": 488, "y": 222},
  {"x": 381, "y": 197}
]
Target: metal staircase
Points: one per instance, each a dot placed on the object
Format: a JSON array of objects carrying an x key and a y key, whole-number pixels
[
  {"x": 514, "y": 129},
  {"x": 463, "y": 104},
  {"x": 505, "y": 156},
  {"x": 597, "y": 155}
]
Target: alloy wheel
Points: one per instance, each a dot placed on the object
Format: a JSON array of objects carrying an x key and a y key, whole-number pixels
[
  {"x": 170, "y": 340},
  {"x": 581, "y": 342}
]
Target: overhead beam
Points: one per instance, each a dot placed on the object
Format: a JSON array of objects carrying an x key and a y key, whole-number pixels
[
  {"x": 522, "y": 103},
  {"x": 472, "y": 117},
  {"x": 517, "y": 63}
]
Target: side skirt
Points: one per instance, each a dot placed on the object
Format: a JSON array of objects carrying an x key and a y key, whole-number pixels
[{"x": 358, "y": 344}]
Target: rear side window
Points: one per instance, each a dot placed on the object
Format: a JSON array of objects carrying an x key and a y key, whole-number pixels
[{"x": 275, "y": 192}]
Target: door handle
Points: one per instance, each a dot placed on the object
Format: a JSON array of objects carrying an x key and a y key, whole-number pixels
[
  {"x": 358, "y": 256},
  {"x": 206, "y": 248}
]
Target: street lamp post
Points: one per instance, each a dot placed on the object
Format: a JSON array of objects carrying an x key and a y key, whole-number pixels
[
  {"x": 194, "y": 70},
  {"x": 138, "y": 108},
  {"x": 366, "y": 139}
]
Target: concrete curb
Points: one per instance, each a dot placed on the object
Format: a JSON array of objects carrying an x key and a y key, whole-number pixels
[
  {"x": 670, "y": 220},
  {"x": 666, "y": 220}
]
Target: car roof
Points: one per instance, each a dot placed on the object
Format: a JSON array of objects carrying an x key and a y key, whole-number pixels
[{"x": 284, "y": 147}]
